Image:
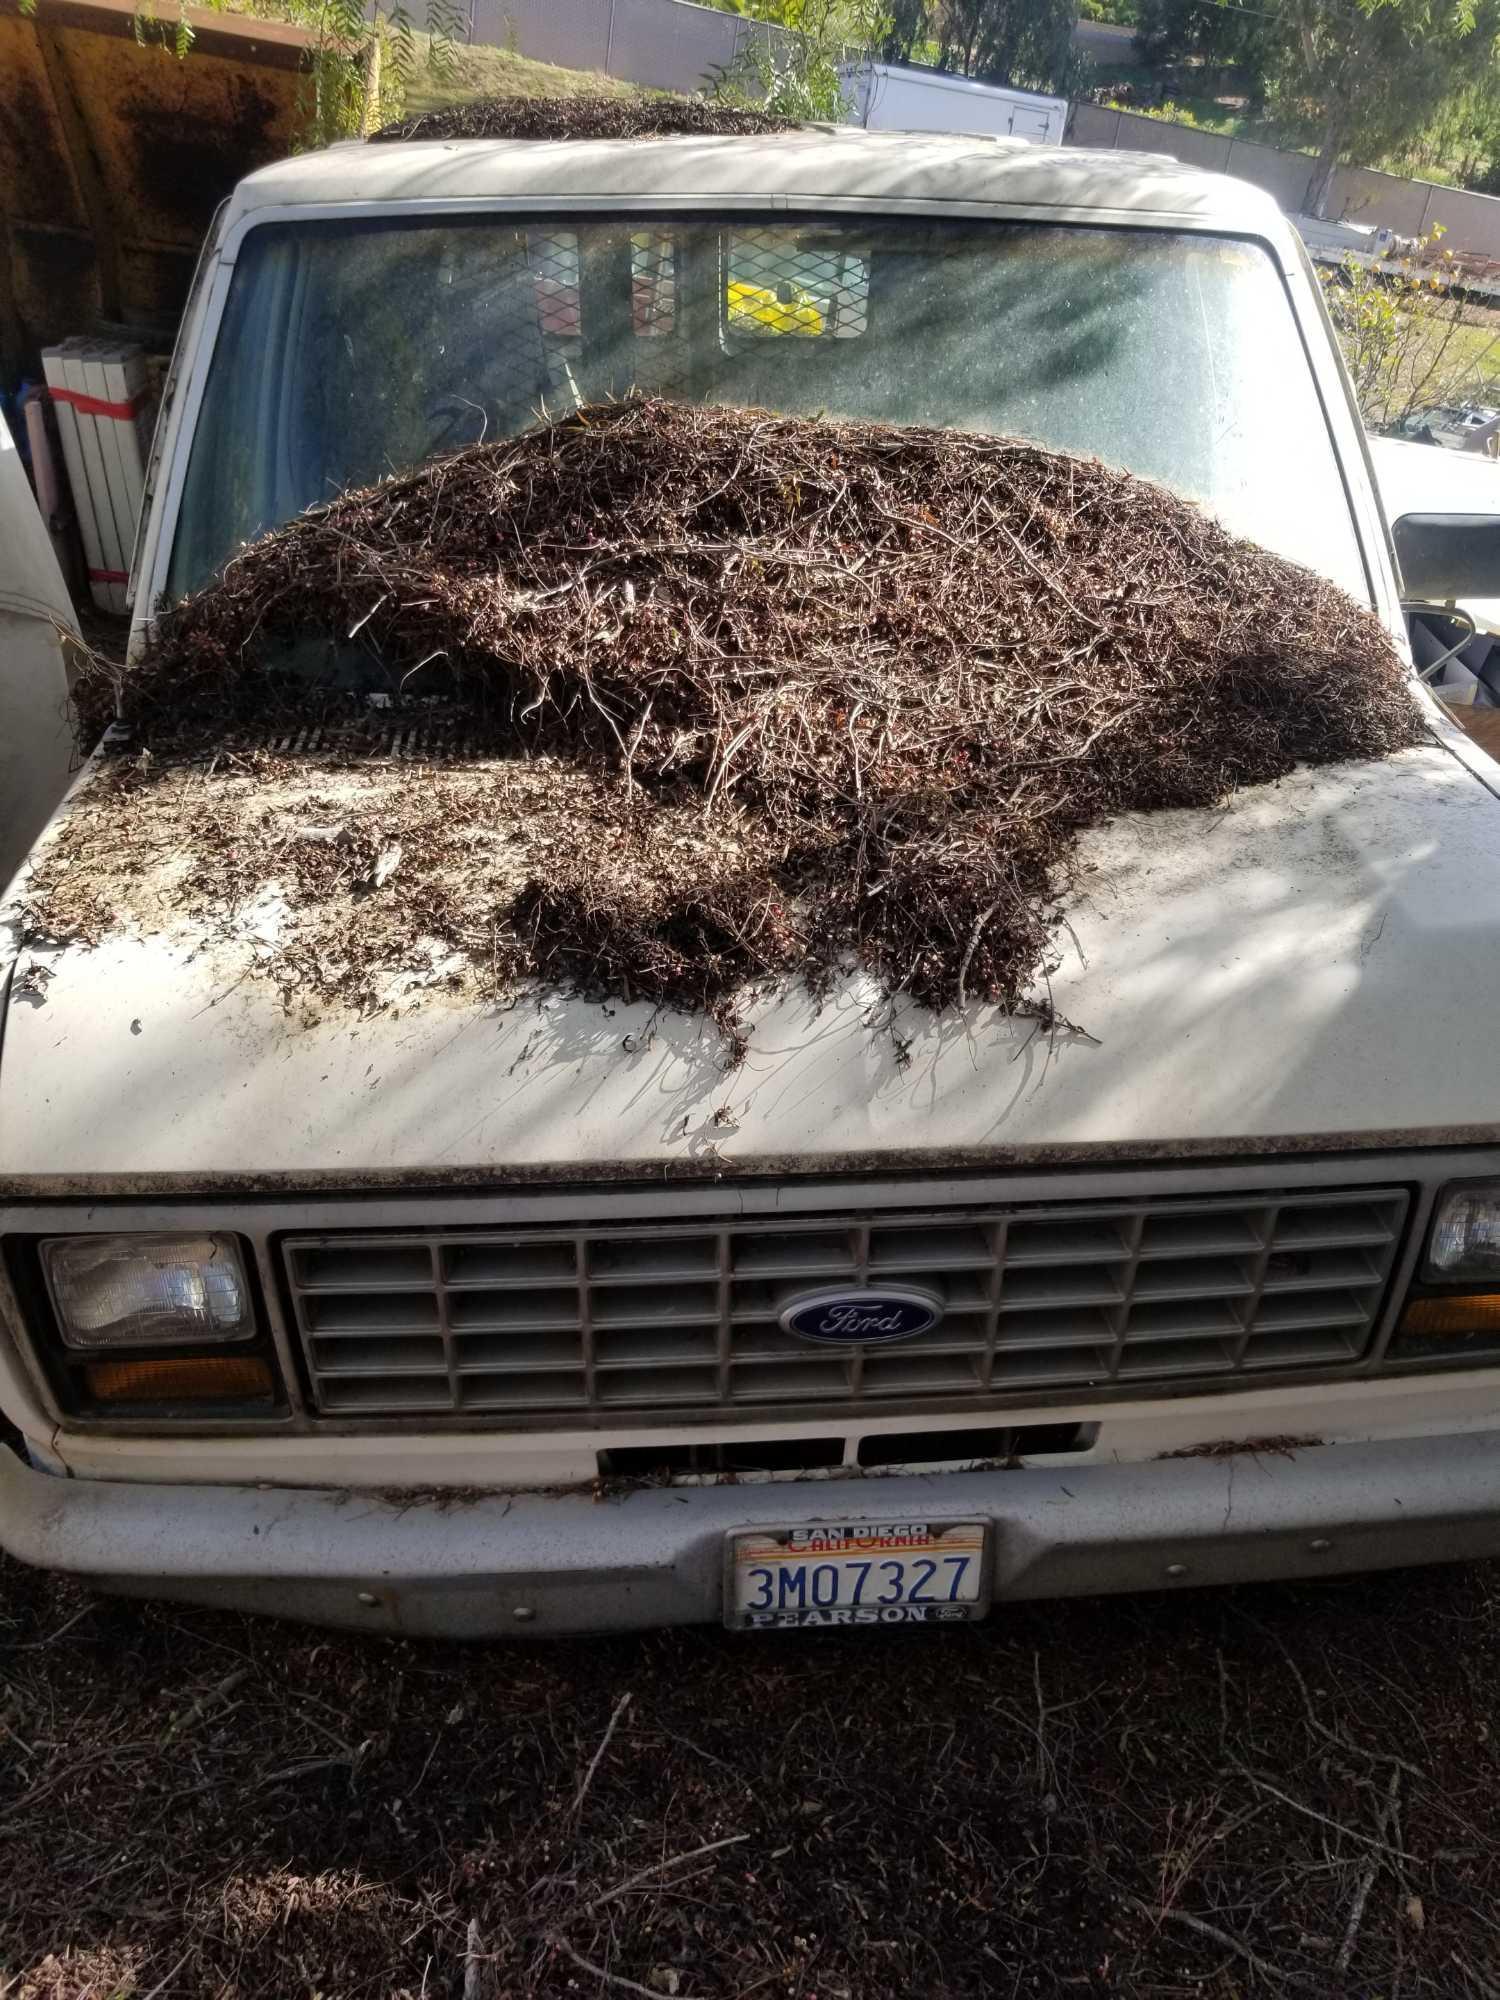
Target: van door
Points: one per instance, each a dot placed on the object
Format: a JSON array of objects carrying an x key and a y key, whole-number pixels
[
  {"x": 1026, "y": 123},
  {"x": 37, "y": 627}
]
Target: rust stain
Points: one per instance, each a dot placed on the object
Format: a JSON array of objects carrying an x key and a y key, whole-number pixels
[
  {"x": 55, "y": 276},
  {"x": 36, "y": 181},
  {"x": 185, "y": 159},
  {"x": 157, "y": 281},
  {"x": 166, "y": 141}
]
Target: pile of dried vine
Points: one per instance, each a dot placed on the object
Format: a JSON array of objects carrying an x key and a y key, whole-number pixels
[
  {"x": 594, "y": 115},
  {"x": 778, "y": 695}
]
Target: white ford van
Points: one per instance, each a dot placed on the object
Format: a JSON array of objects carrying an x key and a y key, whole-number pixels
[{"x": 460, "y": 1320}]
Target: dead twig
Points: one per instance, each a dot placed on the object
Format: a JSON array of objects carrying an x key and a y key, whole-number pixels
[
  {"x": 1310, "y": 1812},
  {"x": 205, "y": 1702},
  {"x": 1489, "y": 1991},
  {"x": 616, "y": 1979},
  {"x": 591, "y": 114},
  {"x": 698, "y": 763},
  {"x": 1367, "y": 1877},
  {"x": 588, "y": 1777},
  {"x": 473, "y": 1962},
  {"x": 1242, "y": 1951},
  {"x": 658, "y": 1869},
  {"x": 39, "y": 1645},
  {"x": 1315, "y": 1721}
]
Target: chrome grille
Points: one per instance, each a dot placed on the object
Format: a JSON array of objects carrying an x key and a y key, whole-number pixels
[{"x": 683, "y": 1320}]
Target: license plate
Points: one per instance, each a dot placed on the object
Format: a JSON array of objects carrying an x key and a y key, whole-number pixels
[{"x": 859, "y": 1573}]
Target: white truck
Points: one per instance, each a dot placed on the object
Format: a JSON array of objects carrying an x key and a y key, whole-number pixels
[
  {"x": 895, "y": 97},
  {"x": 474, "y": 1321}
]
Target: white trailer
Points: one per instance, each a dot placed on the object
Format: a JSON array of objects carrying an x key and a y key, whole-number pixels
[{"x": 888, "y": 97}]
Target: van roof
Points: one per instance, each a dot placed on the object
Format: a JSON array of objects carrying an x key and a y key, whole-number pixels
[{"x": 816, "y": 165}]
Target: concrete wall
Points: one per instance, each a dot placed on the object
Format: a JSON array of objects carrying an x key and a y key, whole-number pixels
[
  {"x": 1411, "y": 208},
  {"x": 682, "y": 45},
  {"x": 665, "y": 44},
  {"x": 573, "y": 33},
  {"x": 1360, "y": 196},
  {"x": 1200, "y": 149},
  {"x": 1283, "y": 175},
  {"x": 1454, "y": 209}
]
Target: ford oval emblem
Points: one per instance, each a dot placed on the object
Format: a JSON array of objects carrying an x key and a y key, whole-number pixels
[{"x": 862, "y": 1318}]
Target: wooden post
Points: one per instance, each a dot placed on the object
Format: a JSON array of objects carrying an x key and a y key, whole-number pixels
[
  {"x": 12, "y": 336},
  {"x": 86, "y": 171},
  {"x": 369, "y": 116}
]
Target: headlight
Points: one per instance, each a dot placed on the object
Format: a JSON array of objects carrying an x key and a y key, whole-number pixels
[
  {"x": 1454, "y": 1316},
  {"x": 1466, "y": 1232},
  {"x": 147, "y": 1291}
]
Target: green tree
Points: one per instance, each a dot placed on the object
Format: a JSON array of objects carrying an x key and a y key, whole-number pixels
[
  {"x": 362, "y": 59},
  {"x": 1362, "y": 78},
  {"x": 1463, "y": 136},
  {"x": 798, "y": 72},
  {"x": 1410, "y": 342},
  {"x": 908, "y": 27},
  {"x": 1170, "y": 33},
  {"x": 1027, "y": 43}
]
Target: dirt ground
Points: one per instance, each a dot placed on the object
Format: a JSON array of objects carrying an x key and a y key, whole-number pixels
[{"x": 1271, "y": 1791}]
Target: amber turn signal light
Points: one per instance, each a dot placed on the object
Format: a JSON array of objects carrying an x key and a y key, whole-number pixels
[
  {"x": 211, "y": 1378},
  {"x": 1459, "y": 1312}
]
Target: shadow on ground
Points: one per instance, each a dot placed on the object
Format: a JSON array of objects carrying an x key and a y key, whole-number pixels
[{"x": 1269, "y": 1791}]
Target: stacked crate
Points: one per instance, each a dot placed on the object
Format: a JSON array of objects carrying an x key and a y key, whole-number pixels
[{"x": 99, "y": 389}]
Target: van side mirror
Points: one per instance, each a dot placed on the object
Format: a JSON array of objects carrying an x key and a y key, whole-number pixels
[{"x": 1445, "y": 557}]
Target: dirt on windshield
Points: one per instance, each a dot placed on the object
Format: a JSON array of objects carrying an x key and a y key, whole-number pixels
[{"x": 666, "y": 704}]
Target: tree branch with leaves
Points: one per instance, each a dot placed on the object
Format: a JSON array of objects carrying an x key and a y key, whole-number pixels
[
  {"x": 359, "y": 60},
  {"x": 1409, "y": 338},
  {"x": 1362, "y": 78}
]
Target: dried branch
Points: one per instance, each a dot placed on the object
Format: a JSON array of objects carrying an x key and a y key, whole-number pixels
[
  {"x": 1276, "y": 1975},
  {"x": 714, "y": 765},
  {"x": 1367, "y": 1874},
  {"x": 588, "y": 1777}
]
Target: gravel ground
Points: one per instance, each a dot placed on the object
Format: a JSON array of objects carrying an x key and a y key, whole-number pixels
[{"x": 1277, "y": 1790}]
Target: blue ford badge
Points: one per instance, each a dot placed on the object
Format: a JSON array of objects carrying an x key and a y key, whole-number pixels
[{"x": 862, "y": 1318}]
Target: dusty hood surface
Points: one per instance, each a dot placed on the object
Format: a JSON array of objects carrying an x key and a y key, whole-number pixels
[{"x": 1314, "y": 965}]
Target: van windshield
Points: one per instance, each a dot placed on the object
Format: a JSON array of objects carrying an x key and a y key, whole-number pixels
[{"x": 350, "y": 350}]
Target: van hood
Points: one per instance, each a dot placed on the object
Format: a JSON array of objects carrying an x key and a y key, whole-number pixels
[{"x": 1312, "y": 967}]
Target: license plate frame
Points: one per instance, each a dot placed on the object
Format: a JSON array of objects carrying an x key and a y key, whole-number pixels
[{"x": 805, "y": 1546}]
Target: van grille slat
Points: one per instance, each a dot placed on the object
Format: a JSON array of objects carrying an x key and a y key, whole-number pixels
[{"x": 558, "y": 1324}]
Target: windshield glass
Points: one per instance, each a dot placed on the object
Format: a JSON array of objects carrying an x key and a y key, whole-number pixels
[{"x": 354, "y": 349}]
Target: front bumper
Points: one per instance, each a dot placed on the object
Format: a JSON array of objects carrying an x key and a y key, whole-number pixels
[{"x": 454, "y": 1566}]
